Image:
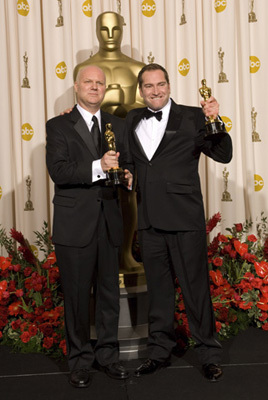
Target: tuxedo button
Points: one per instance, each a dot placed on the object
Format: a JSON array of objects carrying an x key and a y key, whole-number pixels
[
  {"x": 98, "y": 176},
  {"x": 150, "y": 164}
]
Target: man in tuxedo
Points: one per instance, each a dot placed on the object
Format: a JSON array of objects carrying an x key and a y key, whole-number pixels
[
  {"x": 87, "y": 225},
  {"x": 171, "y": 223}
]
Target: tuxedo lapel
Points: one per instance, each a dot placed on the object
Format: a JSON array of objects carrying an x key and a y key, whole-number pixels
[
  {"x": 174, "y": 121},
  {"x": 135, "y": 138},
  {"x": 82, "y": 129}
]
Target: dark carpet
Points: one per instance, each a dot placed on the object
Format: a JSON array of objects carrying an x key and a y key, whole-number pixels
[{"x": 245, "y": 363}]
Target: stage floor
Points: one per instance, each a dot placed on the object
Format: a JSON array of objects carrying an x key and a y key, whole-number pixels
[{"x": 245, "y": 363}]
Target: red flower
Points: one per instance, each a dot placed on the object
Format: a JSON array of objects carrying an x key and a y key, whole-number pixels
[
  {"x": 25, "y": 337},
  {"x": 16, "y": 324},
  {"x": 241, "y": 248},
  {"x": 216, "y": 277},
  {"x": 5, "y": 263},
  {"x": 262, "y": 304},
  {"x": 212, "y": 222},
  {"x": 51, "y": 258},
  {"x": 223, "y": 238},
  {"x": 262, "y": 270},
  {"x": 27, "y": 271},
  {"x": 218, "y": 326},
  {"x": 250, "y": 257},
  {"x": 15, "y": 308},
  {"x": 265, "y": 326},
  {"x": 217, "y": 261},
  {"x": 264, "y": 316},
  {"x": 19, "y": 293},
  {"x": 238, "y": 227},
  {"x": 16, "y": 268},
  {"x": 252, "y": 238},
  {"x": 245, "y": 305},
  {"x": 62, "y": 346},
  {"x": 48, "y": 342},
  {"x": 32, "y": 330}
]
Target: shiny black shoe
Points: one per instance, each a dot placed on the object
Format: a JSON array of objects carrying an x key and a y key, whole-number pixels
[
  {"x": 80, "y": 378},
  {"x": 115, "y": 370},
  {"x": 150, "y": 366},
  {"x": 212, "y": 372}
]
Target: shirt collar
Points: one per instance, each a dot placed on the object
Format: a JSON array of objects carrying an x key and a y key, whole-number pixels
[{"x": 88, "y": 115}]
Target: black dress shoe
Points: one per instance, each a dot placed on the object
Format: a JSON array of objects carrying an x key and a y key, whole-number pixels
[
  {"x": 212, "y": 372},
  {"x": 80, "y": 378},
  {"x": 150, "y": 366},
  {"x": 115, "y": 370}
]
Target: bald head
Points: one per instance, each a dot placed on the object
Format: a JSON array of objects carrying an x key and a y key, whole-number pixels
[{"x": 90, "y": 88}]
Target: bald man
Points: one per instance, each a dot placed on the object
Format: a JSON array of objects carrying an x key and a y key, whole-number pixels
[{"x": 87, "y": 225}]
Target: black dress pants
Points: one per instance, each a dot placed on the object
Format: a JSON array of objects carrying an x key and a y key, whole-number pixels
[
  {"x": 184, "y": 255},
  {"x": 77, "y": 268}
]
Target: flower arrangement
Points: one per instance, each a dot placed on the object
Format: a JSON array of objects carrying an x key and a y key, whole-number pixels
[
  {"x": 238, "y": 271},
  {"x": 31, "y": 302}
]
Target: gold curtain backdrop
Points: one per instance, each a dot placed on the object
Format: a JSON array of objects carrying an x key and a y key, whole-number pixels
[{"x": 224, "y": 41}]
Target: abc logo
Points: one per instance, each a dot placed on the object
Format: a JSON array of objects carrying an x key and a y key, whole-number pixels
[
  {"x": 34, "y": 250},
  {"x": 148, "y": 8},
  {"x": 220, "y": 5},
  {"x": 254, "y": 64},
  {"x": 23, "y": 7},
  {"x": 87, "y": 8},
  {"x": 61, "y": 70},
  {"x": 27, "y": 132},
  {"x": 0, "y": 192},
  {"x": 258, "y": 183},
  {"x": 228, "y": 123},
  {"x": 184, "y": 67}
]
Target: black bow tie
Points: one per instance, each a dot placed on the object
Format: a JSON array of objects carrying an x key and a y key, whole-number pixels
[{"x": 149, "y": 114}]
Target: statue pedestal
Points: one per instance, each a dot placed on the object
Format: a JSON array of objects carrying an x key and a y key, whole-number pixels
[{"x": 133, "y": 317}]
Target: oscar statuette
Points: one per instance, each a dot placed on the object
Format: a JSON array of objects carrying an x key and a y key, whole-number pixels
[
  {"x": 213, "y": 125},
  {"x": 115, "y": 176}
]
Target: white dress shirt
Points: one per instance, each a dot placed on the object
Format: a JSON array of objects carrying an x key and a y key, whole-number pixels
[
  {"x": 151, "y": 131},
  {"x": 97, "y": 172}
]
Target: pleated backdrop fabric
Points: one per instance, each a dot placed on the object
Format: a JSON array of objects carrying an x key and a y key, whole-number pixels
[{"x": 223, "y": 41}]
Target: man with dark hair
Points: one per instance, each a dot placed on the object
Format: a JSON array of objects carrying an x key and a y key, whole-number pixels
[
  {"x": 166, "y": 141},
  {"x": 87, "y": 225}
]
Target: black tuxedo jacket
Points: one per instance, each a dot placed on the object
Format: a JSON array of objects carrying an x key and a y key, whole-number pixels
[
  {"x": 169, "y": 195},
  {"x": 70, "y": 152}
]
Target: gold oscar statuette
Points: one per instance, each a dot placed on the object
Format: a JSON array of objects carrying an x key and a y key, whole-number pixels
[
  {"x": 251, "y": 14},
  {"x": 213, "y": 125},
  {"x": 60, "y": 17},
  {"x": 115, "y": 176},
  {"x": 183, "y": 17},
  {"x": 29, "y": 203},
  {"x": 25, "y": 81},
  {"x": 225, "y": 195},
  {"x": 222, "y": 75}
]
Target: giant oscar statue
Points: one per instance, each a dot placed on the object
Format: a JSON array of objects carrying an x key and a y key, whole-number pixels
[{"x": 122, "y": 94}]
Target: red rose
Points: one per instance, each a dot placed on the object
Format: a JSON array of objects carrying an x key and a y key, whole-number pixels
[
  {"x": 217, "y": 261},
  {"x": 252, "y": 238},
  {"x": 238, "y": 227},
  {"x": 218, "y": 326},
  {"x": 62, "y": 346},
  {"x": 32, "y": 330},
  {"x": 25, "y": 337},
  {"x": 48, "y": 342},
  {"x": 265, "y": 326}
]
